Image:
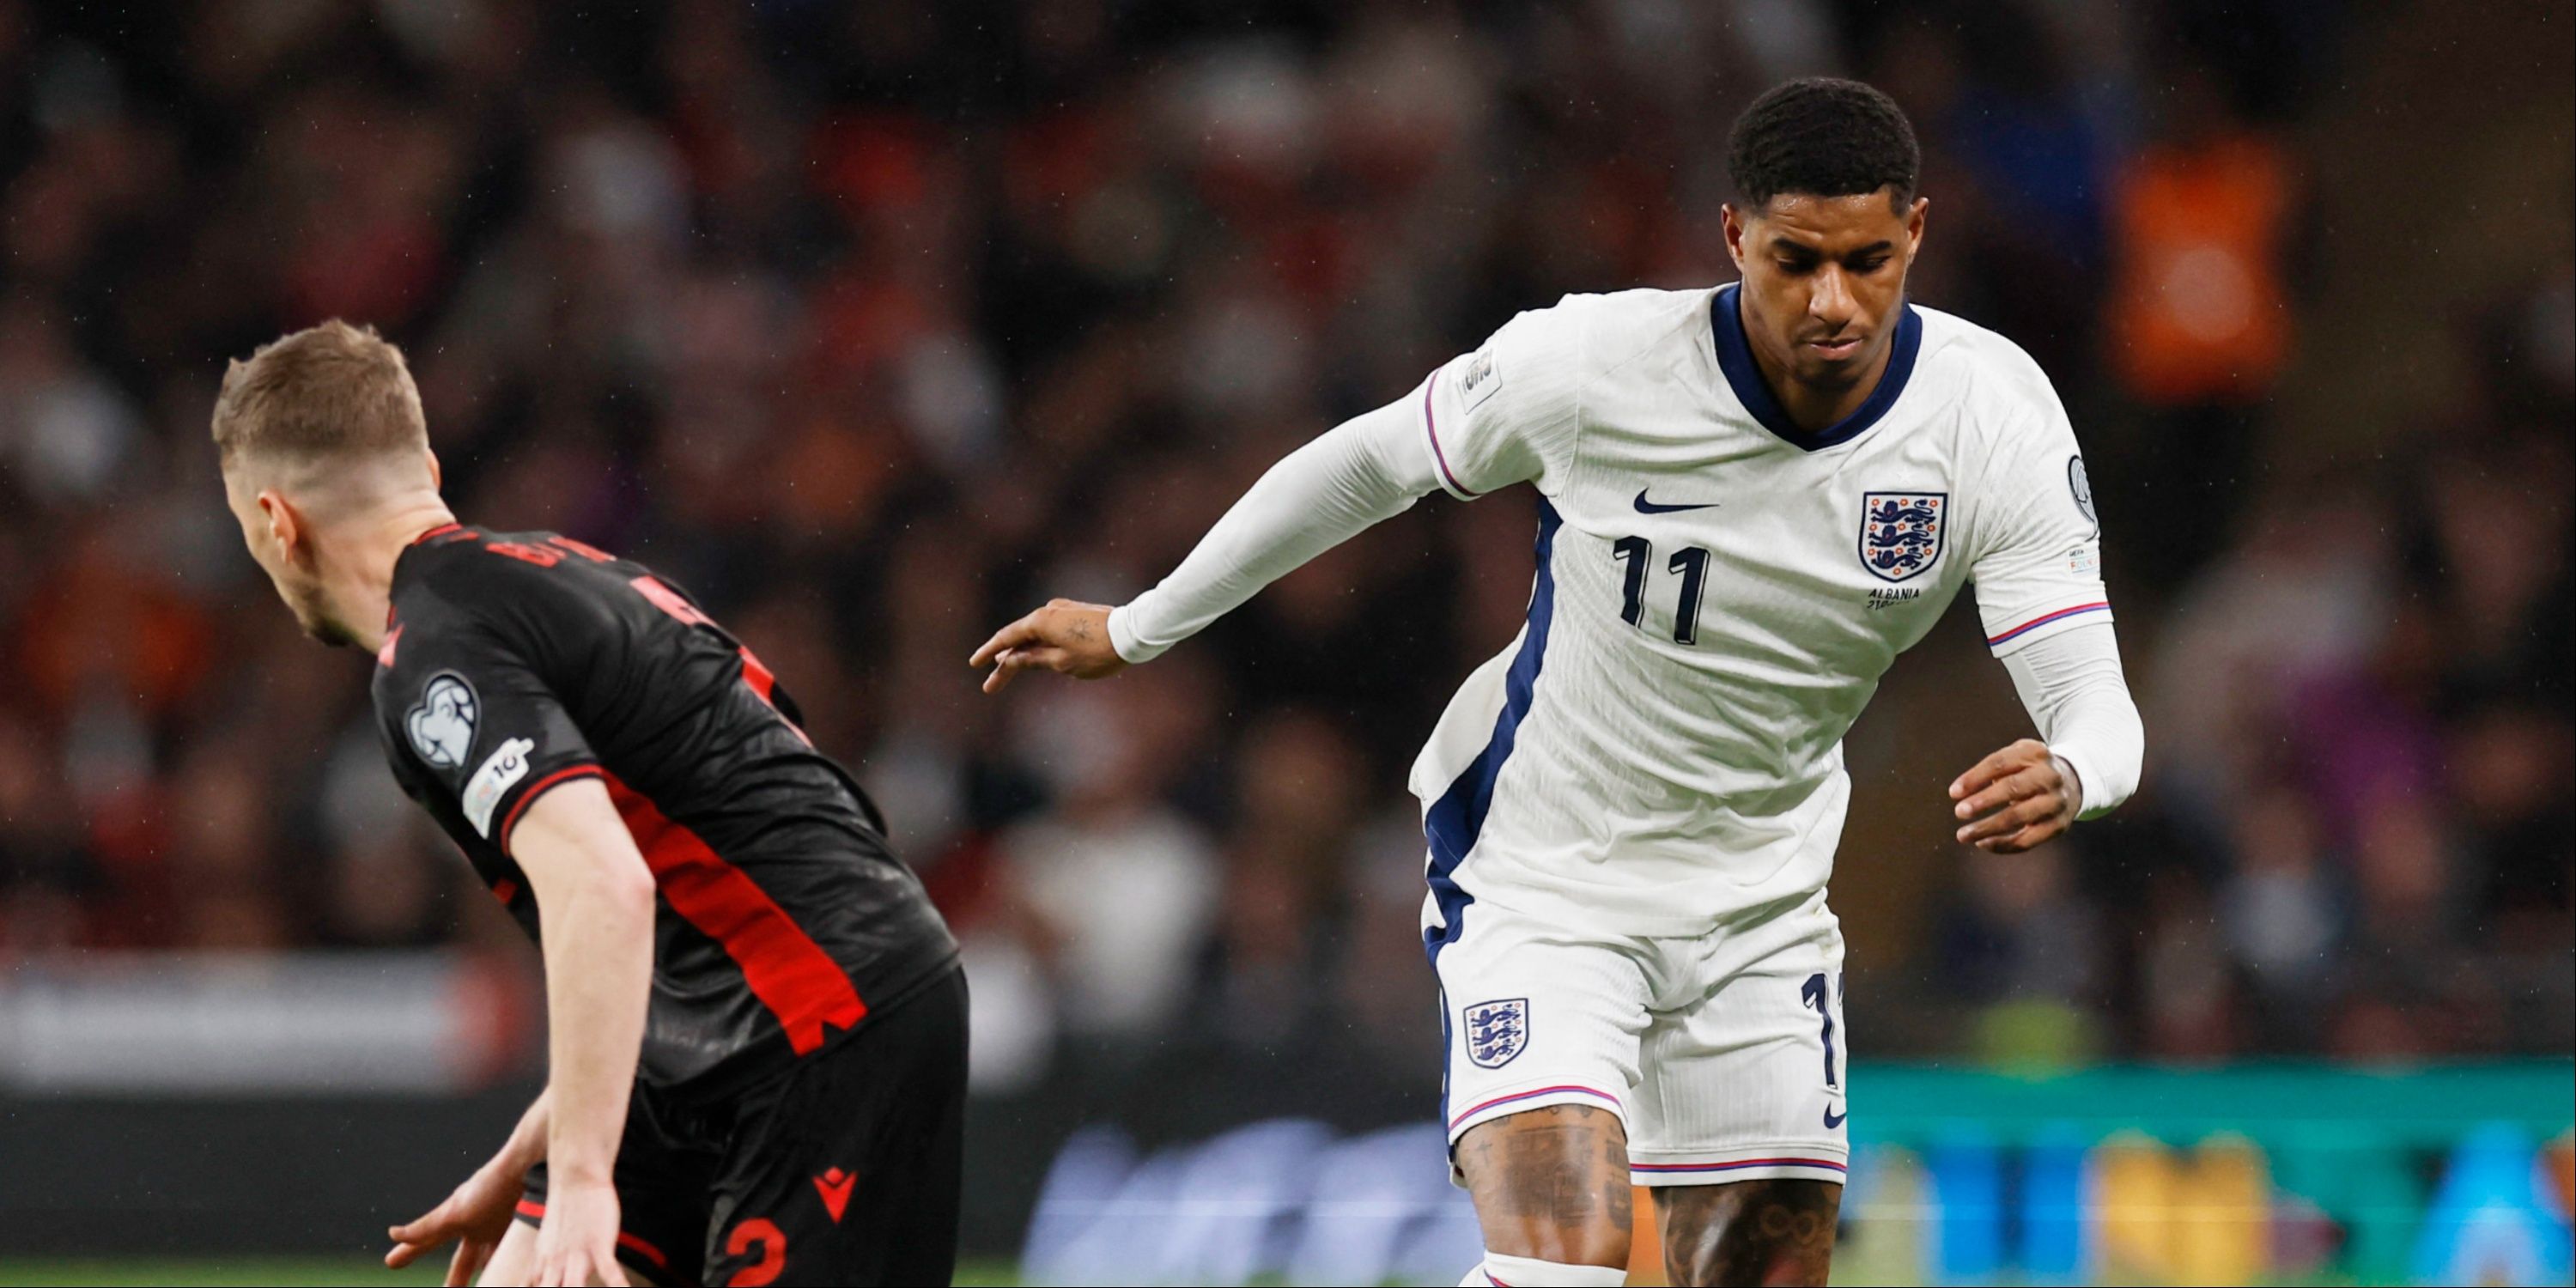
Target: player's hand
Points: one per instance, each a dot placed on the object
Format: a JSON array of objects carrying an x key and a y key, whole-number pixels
[
  {"x": 1064, "y": 636},
  {"x": 2015, "y": 799},
  {"x": 476, "y": 1215},
  {"x": 577, "y": 1242}
]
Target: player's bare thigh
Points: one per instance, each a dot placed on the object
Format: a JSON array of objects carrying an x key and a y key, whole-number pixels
[
  {"x": 1749, "y": 1232},
  {"x": 1551, "y": 1184}
]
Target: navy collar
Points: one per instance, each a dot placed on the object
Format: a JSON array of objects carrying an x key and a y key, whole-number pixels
[{"x": 1735, "y": 358}]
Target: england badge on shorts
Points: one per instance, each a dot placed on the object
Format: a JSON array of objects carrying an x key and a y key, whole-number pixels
[
  {"x": 1900, "y": 532},
  {"x": 1496, "y": 1031}
]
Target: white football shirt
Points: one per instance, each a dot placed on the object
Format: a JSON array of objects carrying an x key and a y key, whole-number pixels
[{"x": 1718, "y": 594}]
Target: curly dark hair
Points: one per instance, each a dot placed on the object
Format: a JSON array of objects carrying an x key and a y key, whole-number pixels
[{"x": 1822, "y": 137}]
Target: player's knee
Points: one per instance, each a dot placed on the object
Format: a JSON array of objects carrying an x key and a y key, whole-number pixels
[
  {"x": 1591, "y": 1244},
  {"x": 1595, "y": 1237}
]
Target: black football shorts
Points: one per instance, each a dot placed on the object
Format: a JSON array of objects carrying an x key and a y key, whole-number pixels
[{"x": 843, "y": 1169}]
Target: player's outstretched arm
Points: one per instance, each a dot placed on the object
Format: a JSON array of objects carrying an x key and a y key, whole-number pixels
[
  {"x": 1368, "y": 469},
  {"x": 595, "y": 908},
  {"x": 2028, "y": 793},
  {"x": 478, "y": 1212}
]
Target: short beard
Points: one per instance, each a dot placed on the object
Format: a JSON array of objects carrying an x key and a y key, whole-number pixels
[{"x": 317, "y": 621}]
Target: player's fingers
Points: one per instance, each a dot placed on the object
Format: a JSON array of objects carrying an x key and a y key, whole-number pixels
[
  {"x": 417, "y": 1237},
  {"x": 421, "y": 1229},
  {"x": 582, "y": 1268},
  {"x": 483, "y": 1250},
  {"x": 612, "y": 1274},
  {"x": 2015, "y": 815},
  {"x": 1017, "y": 660},
  {"x": 1996, "y": 795},
  {"x": 1983, "y": 773},
  {"x": 1048, "y": 658},
  {"x": 1985, "y": 802},
  {"x": 461, "y": 1267},
  {"x": 1023, "y": 631},
  {"x": 2021, "y": 754},
  {"x": 2029, "y": 811},
  {"x": 2028, "y": 838},
  {"x": 1005, "y": 666}
]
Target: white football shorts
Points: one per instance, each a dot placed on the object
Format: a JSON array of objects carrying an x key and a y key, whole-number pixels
[{"x": 1722, "y": 1054}]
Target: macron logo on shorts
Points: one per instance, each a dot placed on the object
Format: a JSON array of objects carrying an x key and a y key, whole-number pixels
[{"x": 834, "y": 1185}]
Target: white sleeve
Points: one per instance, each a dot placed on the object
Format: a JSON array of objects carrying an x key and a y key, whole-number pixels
[
  {"x": 1369, "y": 468},
  {"x": 2072, "y": 685},
  {"x": 2038, "y": 550},
  {"x": 1504, "y": 414},
  {"x": 1507, "y": 413}
]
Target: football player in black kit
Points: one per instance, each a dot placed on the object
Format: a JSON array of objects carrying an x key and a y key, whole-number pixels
[{"x": 757, "y": 1036}]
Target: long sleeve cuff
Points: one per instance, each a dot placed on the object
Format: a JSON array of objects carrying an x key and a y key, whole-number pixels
[
  {"x": 2073, "y": 687},
  {"x": 1122, "y": 636}
]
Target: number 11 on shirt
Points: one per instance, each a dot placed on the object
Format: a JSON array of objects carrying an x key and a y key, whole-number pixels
[{"x": 1691, "y": 562}]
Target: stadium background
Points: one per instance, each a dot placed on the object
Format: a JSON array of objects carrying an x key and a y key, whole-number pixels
[{"x": 875, "y": 325}]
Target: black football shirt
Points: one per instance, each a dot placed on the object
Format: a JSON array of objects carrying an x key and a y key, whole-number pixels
[{"x": 516, "y": 662}]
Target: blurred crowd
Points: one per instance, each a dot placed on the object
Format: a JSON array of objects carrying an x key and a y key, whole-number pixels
[{"x": 876, "y": 325}]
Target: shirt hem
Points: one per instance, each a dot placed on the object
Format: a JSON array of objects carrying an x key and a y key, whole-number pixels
[{"x": 772, "y": 1058}]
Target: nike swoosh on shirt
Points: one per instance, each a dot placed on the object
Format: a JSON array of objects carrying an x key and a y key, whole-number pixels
[
  {"x": 1645, "y": 506},
  {"x": 1833, "y": 1120}
]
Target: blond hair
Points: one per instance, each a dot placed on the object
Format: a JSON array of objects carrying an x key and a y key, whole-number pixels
[{"x": 325, "y": 393}]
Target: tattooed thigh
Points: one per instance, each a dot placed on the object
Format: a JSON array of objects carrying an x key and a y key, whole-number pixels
[
  {"x": 1750, "y": 1232},
  {"x": 1551, "y": 1183}
]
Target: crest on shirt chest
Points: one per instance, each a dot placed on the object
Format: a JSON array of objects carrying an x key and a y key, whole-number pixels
[{"x": 1900, "y": 532}]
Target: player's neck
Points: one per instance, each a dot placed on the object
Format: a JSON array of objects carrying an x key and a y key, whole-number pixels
[
  {"x": 1816, "y": 408},
  {"x": 361, "y": 584}
]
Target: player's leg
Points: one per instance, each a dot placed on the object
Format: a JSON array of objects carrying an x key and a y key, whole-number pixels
[
  {"x": 1542, "y": 1030},
  {"x": 1739, "y": 1115},
  {"x": 513, "y": 1260},
  {"x": 662, "y": 1179},
  {"x": 849, "y": 1169},
  {"x": 1778, "y": 1231},
  {"x": 1551, "y": 1187}
]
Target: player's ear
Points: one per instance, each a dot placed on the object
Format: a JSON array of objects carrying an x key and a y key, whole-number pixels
[
  {"x": 1914, "y": 224},
  {"x": 285, "y": 527},
  {"x": 436, "y": 480},
  {"x": 1732, "y": 221}
]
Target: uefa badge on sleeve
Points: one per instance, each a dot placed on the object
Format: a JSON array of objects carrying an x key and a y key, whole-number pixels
[
  {"x": 2081, "y": 484},
  {"x": 1496, "y": 1031},
  {"x": 1900, "y": 532},
  {"x": 441, "y": 724}
]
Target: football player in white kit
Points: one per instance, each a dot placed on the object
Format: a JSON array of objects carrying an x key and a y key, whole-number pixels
[{"x": 1751, "y": 499}]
